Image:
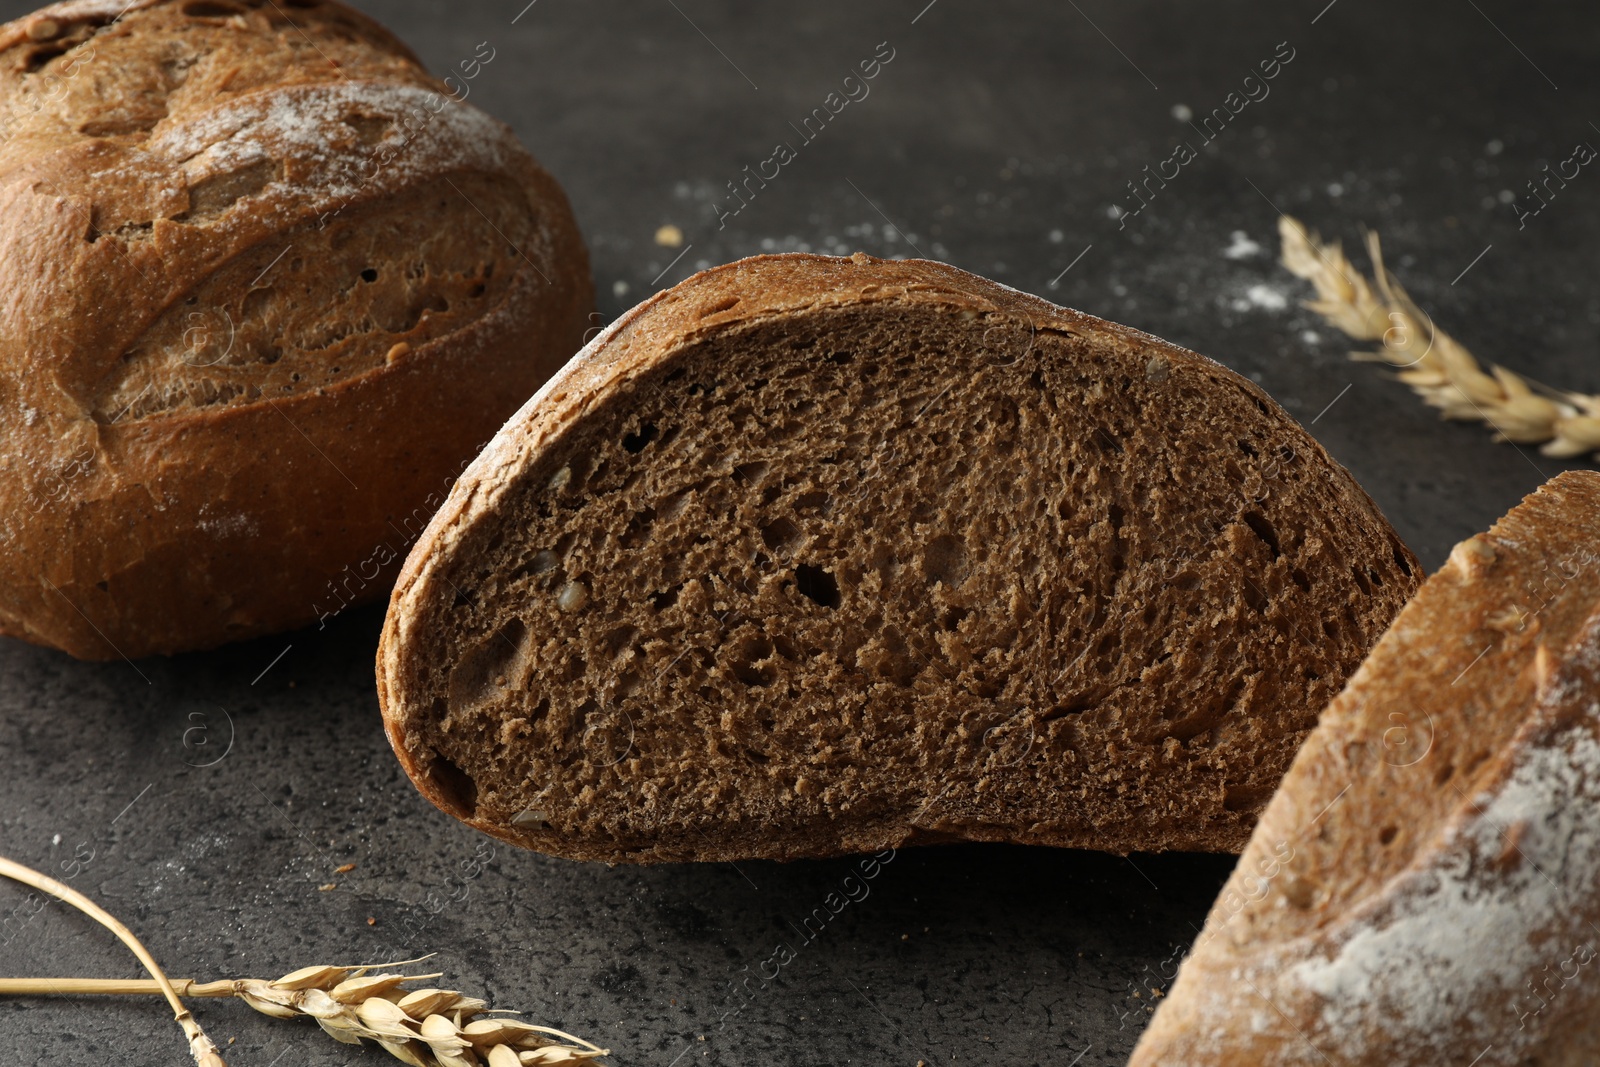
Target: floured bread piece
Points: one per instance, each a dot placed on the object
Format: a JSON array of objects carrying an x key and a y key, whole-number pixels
[
  {"x": 809, "y": 556},
  {"x": 1425, "y": 887},
  {"x": 266, "y": 287}
]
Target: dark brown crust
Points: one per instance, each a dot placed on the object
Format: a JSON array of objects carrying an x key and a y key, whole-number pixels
[
  {"x": 1381, "y": 835},
  {"x": 198, "y": 525}
]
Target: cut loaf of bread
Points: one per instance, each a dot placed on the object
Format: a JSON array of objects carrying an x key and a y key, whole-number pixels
[
  {"x": 810, "y": 555},
  {"x": 1425, "y": 888},
  {"x": 265, "y": 288}
]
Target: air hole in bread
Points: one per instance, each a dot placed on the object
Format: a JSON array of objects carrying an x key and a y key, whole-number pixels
[
  {"x": 751, "y": 473},
  {"x": 369, "y": 275},
  {"x": 1359, "y": 574},
  {"x": 1068, "y": 710},
  {"x": 635, "y": 442},
  {"x": 1253, "y": 596},
  {"x": 638, "y": 531},
  {"x": 1387, "y": 835},
  {"x": 1263, "y": 529},
  {"x": 619, "y": 639},
  {"x": 452, "y": 787},
  {"x": 750, "y": 661},
  {"x": 817, "y": 585}
]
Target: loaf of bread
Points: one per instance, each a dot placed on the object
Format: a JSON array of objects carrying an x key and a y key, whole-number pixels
[
  {"x": 264, "y": 289},
  {"x": 1425, "y": 888},
  {"x": 809, "y": 556}
]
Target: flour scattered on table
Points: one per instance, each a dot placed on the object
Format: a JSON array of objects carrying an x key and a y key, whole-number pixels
[
  {"x": 1261, "y": 297},
  {"x": 1242, "y": 247}
]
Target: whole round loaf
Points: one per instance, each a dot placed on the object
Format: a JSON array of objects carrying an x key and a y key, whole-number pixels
[{"x": 266, "y": 285}]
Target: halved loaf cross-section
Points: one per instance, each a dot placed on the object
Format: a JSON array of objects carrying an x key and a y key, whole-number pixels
[{"x": 809, "y": 556}]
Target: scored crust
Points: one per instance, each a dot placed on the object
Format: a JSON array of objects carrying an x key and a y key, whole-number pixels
[
  {"x": 1425, "y": 886},
  {"x": 264, "y": 290},
  {"x": 812, "y": 555}
]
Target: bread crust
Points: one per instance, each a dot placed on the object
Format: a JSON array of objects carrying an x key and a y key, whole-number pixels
[
  {"x": 1423, "y": 888},
  {"x": 216, "y": 423},
  {"x": 753, "y": 290}
]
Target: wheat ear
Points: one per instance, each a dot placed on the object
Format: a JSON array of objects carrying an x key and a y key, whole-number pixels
[
  {"x": 201, "y": 1047},
  {"x": 1430, "y": 361},
  {"x": 422, "y": 1027}
]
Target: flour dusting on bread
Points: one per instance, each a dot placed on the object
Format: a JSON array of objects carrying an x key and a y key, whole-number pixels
[{"x": 1443, "y": 901}]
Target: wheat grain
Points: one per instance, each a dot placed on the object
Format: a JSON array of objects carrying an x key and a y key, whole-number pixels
[
  {"x": 425, "y": 1027},
  {"x": 1436, "y": 366}
]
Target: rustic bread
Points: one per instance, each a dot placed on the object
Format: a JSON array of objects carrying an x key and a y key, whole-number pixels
[
  {"x": 1424, "y": 889},
  {"x": 812, "y": 555},
  {"x": 264, "y": 290}
]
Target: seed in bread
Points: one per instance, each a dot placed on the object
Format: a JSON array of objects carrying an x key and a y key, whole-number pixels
[
  {"x": 810, "y": 556},
  {"x": 264, "y": 288},
  {"x": 1425, "y": 887}
]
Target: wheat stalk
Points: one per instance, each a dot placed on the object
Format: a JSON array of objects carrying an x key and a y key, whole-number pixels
[
  {"x": 1430, "y": 361},
  {"x": 201, "y": 1047},
  {"x": 423, "y": 1027}
]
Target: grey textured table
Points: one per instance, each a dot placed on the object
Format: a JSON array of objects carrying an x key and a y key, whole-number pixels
[{"x": 1000, "y": 137}]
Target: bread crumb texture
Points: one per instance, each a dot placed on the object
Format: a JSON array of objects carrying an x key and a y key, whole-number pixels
[
  {"x": 812, "y": 556},
  {"x": 1424, "y": 887},
  {"x": 264, "y": 288}
]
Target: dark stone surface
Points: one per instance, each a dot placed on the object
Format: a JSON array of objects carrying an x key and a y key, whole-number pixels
[{"x": 997, "y": 138}]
